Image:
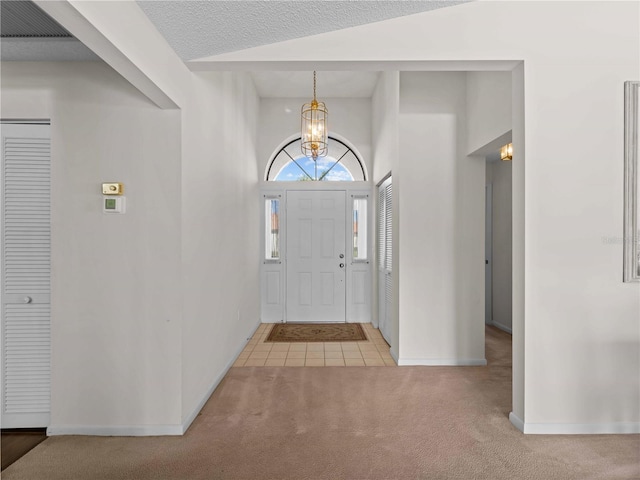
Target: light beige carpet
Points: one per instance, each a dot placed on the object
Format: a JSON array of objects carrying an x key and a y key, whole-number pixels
[{"x": 347, "y": 423}]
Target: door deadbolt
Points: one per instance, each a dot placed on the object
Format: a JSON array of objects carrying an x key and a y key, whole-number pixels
[
  {"x": 342, "y": 255},
  {"x": 27, "y": 299}
]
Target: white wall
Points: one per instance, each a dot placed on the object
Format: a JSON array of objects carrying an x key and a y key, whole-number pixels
[
  {"x": 220, "y": 227},
  {"x": 575, "y": 324},
  {"x": 279, "y": 119},
  {"x": 148, "y": 309},
  {"x": 116, "y": 307},
  {"x": 385, "y": 109},
  {"x": 441, "y": 218},
  {"x": 488, "y": 107},
  {"x": 499, "y": 176}
]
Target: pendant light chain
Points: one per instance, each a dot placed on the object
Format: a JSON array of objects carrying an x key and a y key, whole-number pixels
[{"x": 314, "y": 84}]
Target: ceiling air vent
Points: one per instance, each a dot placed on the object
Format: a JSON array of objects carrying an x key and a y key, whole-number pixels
[{"x": 24, "y": 19}]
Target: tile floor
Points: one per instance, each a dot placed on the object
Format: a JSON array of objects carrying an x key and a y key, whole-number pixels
[{"x": 258, "y": 353}]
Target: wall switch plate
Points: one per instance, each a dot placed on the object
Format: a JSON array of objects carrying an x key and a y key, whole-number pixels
[
  {"x": 112, "y": 189},
  {"x": 113, "y": 205}
]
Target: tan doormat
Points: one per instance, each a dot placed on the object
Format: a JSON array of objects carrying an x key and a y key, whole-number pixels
[{"x": 316, "y": 332}]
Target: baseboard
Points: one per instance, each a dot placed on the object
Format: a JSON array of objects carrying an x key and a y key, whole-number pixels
[
  {"x": 394, "y": 355},
  {"x": 189, "y": 419},
  {"x": 447, "y": 362},
  {"x": 504, "y": 328},
  {"x": 515, "y": 420},
  {"x": 115, "y": 430},
  {"x": 614, "y": 428}
]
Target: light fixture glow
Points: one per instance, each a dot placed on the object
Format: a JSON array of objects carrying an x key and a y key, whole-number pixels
[
  {"x": 314, "y": 133},
  {"x": 506, "y": 152}
]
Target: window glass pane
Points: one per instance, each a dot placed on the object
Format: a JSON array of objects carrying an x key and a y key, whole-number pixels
[
  {"x": 272, "y": 230},
  {"x": 306, "y": 170},
  {"x": 359, "y": 228},
  {"x": 342, "y": 165}
]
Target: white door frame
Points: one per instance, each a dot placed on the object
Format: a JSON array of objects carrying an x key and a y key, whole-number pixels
[
  {"x": 273, "y": 273},
  {"x": 488, "y": 255}
]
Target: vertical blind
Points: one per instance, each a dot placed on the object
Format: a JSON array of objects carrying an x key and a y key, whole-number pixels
[{"x": 385, "y": 210}]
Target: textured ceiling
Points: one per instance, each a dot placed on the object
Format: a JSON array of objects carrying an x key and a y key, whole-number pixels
[{"x": 201, "y": 28}]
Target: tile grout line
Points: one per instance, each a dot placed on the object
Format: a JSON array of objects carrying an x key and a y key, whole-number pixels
[{"x": 371, "y": 352}]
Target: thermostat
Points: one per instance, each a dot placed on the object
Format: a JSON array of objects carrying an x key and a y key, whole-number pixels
[
  {"x": 114, "y": 205},
  {"x": 112, "y": 189}
]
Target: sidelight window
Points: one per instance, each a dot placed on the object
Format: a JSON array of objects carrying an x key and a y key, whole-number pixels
[
  {"x": 360, "y": 228},
  {"x": 272, "y": 228}
]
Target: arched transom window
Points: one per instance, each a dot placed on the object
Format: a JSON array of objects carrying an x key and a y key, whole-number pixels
[{"x": 340, "y": 165}]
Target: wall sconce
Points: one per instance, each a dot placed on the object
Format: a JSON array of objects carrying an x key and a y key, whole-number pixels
[{"x": 506, "y": 152}]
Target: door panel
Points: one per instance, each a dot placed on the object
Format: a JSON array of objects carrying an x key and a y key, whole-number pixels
[
  {"x": 26, "y": 273},
  {"x": 315, "y": 271}
]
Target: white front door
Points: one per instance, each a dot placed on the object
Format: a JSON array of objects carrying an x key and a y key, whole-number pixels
[{"x": 316, "y": 264}]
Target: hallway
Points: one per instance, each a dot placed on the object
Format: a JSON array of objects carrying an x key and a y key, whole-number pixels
[{"x": 347, "y": 423}]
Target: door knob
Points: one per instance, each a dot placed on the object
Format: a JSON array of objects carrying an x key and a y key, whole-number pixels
[
  {"x": 27, "y": 299},
  {"x": 342, "y": 255},
  {"x": 342, "y": 265}
]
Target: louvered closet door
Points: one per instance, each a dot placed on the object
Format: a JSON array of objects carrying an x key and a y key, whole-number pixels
[
  {"x": 26, "y": 272},
  {"x": 385, "y": 258}
]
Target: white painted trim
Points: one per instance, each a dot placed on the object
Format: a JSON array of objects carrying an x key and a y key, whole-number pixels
[
  {"x": 115, "y": 430},
  {"x": 210, "y": 64},
  {"x": 615, "y": 428},
  {"x": 515, "y": 420},
  {"x": 457, "y": 362},
  {"x": 504, "y": 328},
  {"x": 631, "y": 238},
  {"x": 98, "y": 26},
  {"x": 189, "y": 419},
  {"x": 10, "y": 121},
  {"x": 394, "y": 355}
]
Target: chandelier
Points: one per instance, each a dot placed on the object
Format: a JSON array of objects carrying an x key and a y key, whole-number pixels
[{"x": 314, "y": 133}]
